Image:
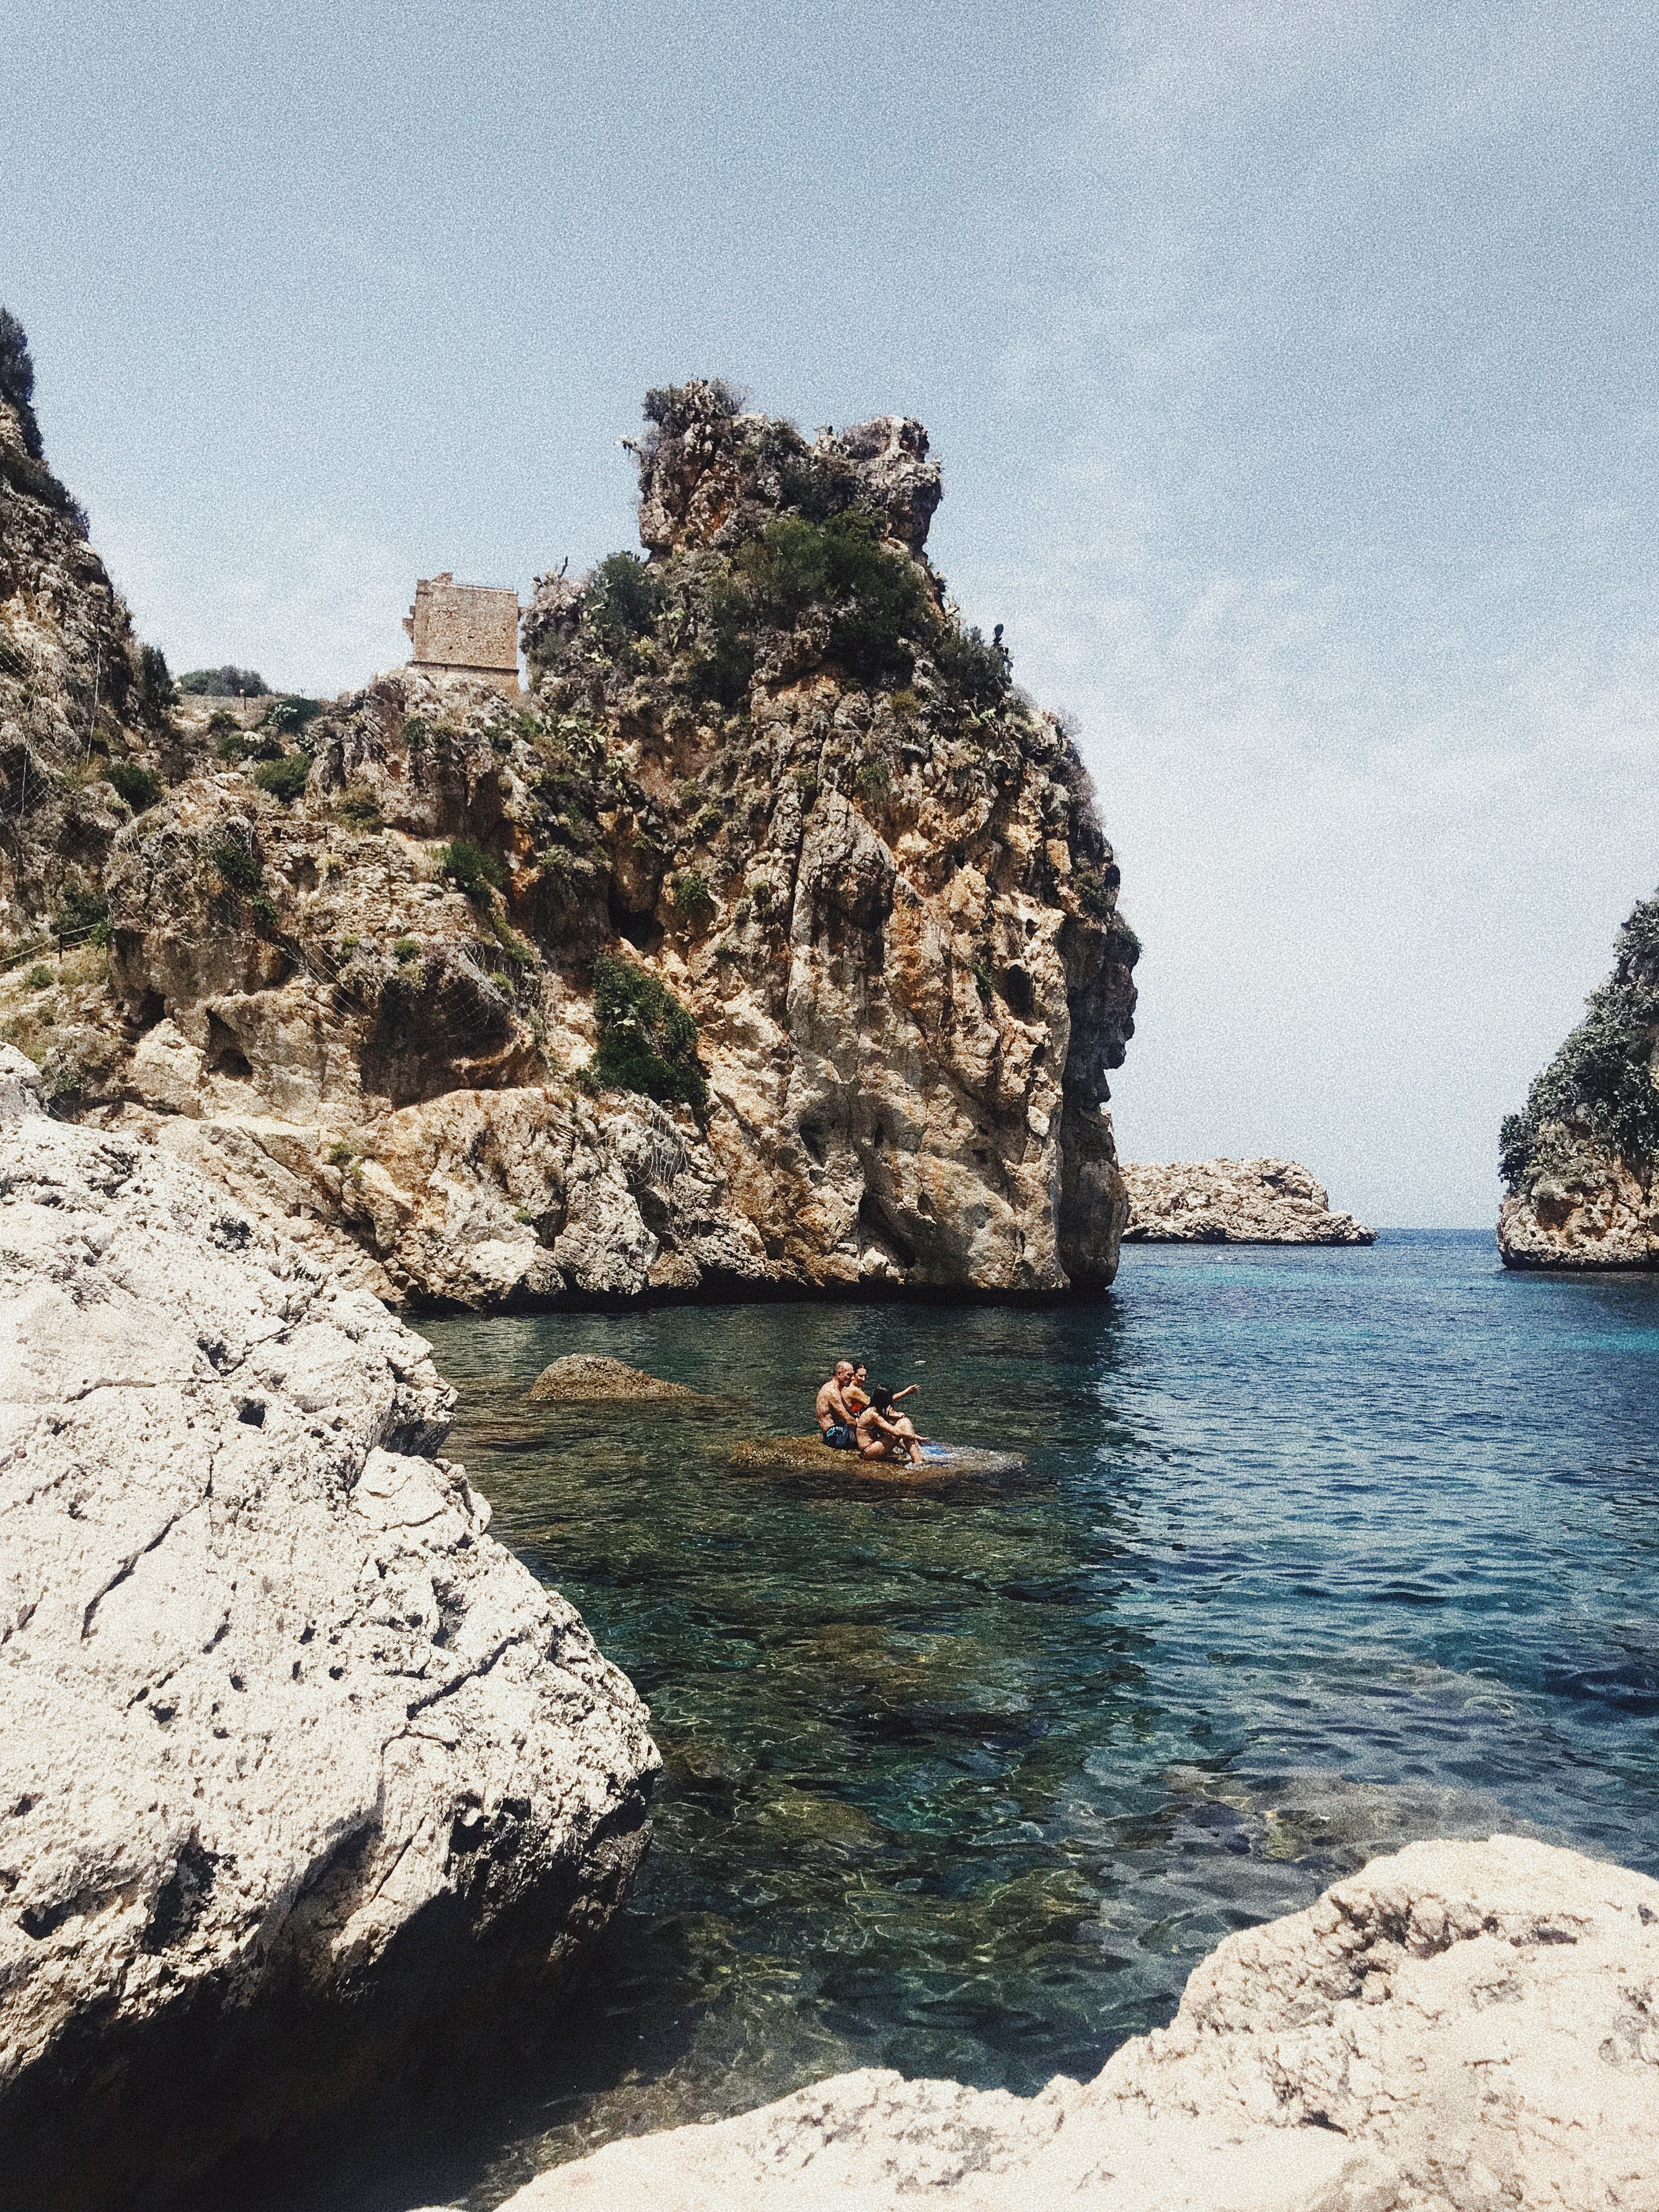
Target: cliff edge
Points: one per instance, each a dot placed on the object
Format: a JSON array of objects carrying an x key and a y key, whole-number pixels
[
  {"x": 770, "y": 943},
  {"x": 305, "y": 1778},
  {"x": 1578, "y": 1161}
]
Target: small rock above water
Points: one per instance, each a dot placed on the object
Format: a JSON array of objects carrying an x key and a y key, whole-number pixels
[
  {"x": 1459, "y": 2025},
  {"x": 589, "y": 1378},
  {"x": 811, "y": 1455},
  {"x": 1233, "y": 1202}
]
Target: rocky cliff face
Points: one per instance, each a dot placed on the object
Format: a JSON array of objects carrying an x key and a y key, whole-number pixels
[
  {"x": 773, "y": 943},
  {"x": 80, "y": 701},
  {"x": 302, "y": 1775},
  {"x": 1233, "y": 1202},
  {"x": 1579, "y": 1162},
  {"x": 1461, "y": 2027}
]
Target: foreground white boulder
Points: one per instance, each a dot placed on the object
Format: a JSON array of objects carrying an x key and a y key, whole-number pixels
[
  {"x": 301, "y": 1773},
  {"x": 1467, "y": 2026}
]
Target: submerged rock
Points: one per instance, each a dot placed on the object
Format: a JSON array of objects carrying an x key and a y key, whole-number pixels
[
  {"x": 1461, "y": 2025},
  {"x": 1233, "y": 1202},
  {"x": 811, "y": 1455},
  {"x": 588, "y": 1378},
  {"x": 304, "y": 1776}
]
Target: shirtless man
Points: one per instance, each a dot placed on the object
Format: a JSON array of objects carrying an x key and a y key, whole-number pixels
[{"x": 835, "y": 1418}]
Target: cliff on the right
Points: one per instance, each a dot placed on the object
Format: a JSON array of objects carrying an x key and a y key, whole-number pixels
[{"x": 1579, "y": 1162}]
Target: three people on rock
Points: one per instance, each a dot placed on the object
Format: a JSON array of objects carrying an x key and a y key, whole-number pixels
[{"x": 856, "y": 1415}]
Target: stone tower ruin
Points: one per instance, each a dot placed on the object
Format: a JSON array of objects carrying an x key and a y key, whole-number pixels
[{"x": 465, "y": 629}]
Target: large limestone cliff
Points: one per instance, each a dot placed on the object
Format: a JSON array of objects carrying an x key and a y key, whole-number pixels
[
  {"x": 1580, "y": 1161},
  {"x": 303, "y": 1776},
  {"x": 1460, "y": 2028},
  {"x": 771, "y": 944}
]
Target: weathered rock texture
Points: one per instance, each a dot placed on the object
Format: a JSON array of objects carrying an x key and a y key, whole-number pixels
[
  {"x": 1233, "y": 1202},
  {"x": 1579, "y": 1162},
  {"x": 80, "y": 699},
  {"x": 588, "y": 1378},
  {"x": 1466, "y": 2025},
  {"x": 301, "y": 1771},
  {"x": 773, "y": 945}
]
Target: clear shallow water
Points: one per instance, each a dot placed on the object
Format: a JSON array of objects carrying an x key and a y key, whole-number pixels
[{"x": 1314, "y": 1552}]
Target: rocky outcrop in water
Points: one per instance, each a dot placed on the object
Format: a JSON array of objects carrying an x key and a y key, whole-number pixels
[
  {"x": 771, "y": 944},
  {"x": 588, "y": 1378},
  {"x": 1579, "y": 1161},
  {"x": 303, "y": 1776},
  {"x": 1461, "y": 2026},
  {"x": 1233, "y": 1202}
]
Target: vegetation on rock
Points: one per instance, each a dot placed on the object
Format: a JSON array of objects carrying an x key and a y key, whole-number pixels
[
  {"x": 284, "y": 778},
  {"x": 647, "y": 1039},
  {"x": 1598, "y": 1095},
  {"x": 226, "y": 683}
]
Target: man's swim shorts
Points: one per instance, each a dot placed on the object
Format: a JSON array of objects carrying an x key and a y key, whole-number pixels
[{"x": 840, "y": 1437}]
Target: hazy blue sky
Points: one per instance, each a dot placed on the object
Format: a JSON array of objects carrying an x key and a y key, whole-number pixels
[{"x": 1292, "y": 368}]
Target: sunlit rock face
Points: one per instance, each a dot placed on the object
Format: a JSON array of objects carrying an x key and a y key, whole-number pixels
[
  {"x": 770, "y": 943},
  {"x": 304, "y": 1778},
  {"x": 1233, "y": 1202},
  {"x": 1461, "y": 2025},
  {"x": 1580, "y": 1160}
]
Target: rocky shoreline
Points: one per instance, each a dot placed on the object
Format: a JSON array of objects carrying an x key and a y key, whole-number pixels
[
  {"x": 308, "y": 1783},
  {"x": 1462, "y": 2026},
  {"x": 1263, "y": 1201}
]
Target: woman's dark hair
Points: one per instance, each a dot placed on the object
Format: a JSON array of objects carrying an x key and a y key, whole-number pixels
[{"x": 881, "y": 1398}]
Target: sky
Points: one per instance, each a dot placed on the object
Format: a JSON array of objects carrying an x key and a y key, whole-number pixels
[{"x": 1291, "y": 367}]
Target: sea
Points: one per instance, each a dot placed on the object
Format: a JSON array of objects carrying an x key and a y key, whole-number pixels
[{"x": 1302, "y": 1555}]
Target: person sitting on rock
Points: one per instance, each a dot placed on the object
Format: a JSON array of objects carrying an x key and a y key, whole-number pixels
[
  {"x": 836, "y": 1420},
  {"x": 857, "y": 1393},
  {"x": 883, "y": 1434}
]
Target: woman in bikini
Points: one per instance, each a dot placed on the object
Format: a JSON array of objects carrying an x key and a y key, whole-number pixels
[
  {"x": 857, "y": 1393},
  {"x": 884, "y": 1434}
]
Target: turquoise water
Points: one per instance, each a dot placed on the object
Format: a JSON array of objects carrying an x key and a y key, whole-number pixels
[{"x": 1313, "y": 1552}]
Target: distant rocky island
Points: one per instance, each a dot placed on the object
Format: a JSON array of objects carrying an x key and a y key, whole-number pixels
[
  {"x": 1578, "y": 1161},
  {"x": 1233, "y": 1202},
  {"x": 769, "y": 942}
]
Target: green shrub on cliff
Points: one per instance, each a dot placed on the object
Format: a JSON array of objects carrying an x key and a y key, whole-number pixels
[
  {"x": 82, "y": 916},
  {"x": 17, "y": 380},
  {"x": 647, "y": 1039},
  {"x": 693, "y": 900},
  {"x": 226, "y": 683},
  {"x": 470, "y": 869},
  {"x": 285, "y": 777},
  {"x": 1599, "y": 1085},
  {"x": 136, "y": 784},
  {"x": 237, "y": 867},
  {"x": 624, "y": 598}
]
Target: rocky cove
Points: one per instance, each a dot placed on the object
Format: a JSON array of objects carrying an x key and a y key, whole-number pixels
[
  {"x": 768, "y": 948},
  {"x": 958, "y": 1789}
]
